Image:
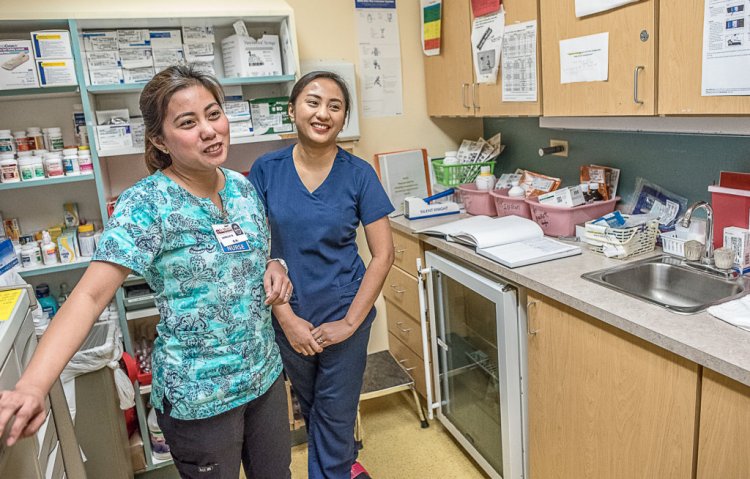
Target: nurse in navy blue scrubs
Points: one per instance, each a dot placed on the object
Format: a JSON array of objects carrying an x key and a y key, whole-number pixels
[{"x": 316, "y": 195}]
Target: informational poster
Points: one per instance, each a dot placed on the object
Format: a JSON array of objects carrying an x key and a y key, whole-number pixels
[
  {"x": 584, "y": 59},
  {"x": 519, "y": 62},
  {"x": 486, "y": 45},
  {"x": 431, "y": 24},
  {"x": 726, "y": 48},
  {"x": 380, "y": 59},
  {"x": 590, "y": 7}
]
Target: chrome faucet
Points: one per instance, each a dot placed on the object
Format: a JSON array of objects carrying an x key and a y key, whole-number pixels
[{"x": 708, "y": 250}]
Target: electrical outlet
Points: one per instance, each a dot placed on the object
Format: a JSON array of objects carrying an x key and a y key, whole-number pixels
[{"x": 563, "y": 143}]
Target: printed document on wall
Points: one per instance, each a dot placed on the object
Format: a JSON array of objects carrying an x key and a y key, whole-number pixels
[
  {"x": 486, "y": 45},
  {"x": 380, "y": 62},
  {"x": 726, "y": 48},
  {"x": 590, "y": 7},
  {"x": 519, "y": 62},
  {"x": 584, "y": 59}
]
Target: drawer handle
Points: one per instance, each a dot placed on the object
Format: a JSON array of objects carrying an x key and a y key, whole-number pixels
[
  {"x": 396, "y": 289},
  {"x": 401, "y": 362},
  {"x": 403, "y": 330},
  {"x": 397, "y": 250}
]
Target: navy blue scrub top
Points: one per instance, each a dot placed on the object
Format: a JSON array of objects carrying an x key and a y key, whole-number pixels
[{"x": 316, "y": 232}]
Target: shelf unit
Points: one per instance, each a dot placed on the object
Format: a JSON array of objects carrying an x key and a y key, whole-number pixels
[{"x": 259, "y": 16}]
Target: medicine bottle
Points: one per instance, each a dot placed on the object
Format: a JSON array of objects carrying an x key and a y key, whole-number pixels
[
  {"x": 55, "y": 139},
  {"x": 70, "y": 162},
  {"x": 48, "y": 303},
  {"x": 84, "y": 160},
  {"x": 27, "y": 166},
  {"x": 86, "y": 239},
  {"x": 9, "y": 168},
  {"x": 35, "y": 133},
  {"x": 450, "y": 158},
  {"x": 23, "y": 141},
  {"x": 54, "y": 165},
  {"x": 486, "y": 180},
  {"x": 31, "y": 255},
  {"x": 516, "y": 190},
  {"x": 49, "y": 249},
  {"x": 6, "y": 142}
]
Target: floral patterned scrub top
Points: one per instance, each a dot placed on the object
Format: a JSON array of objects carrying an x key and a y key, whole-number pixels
[{"x": 215, "y": 348}]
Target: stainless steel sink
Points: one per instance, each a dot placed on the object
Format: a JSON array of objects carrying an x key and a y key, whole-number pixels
[{"x": 671, "y": 283}]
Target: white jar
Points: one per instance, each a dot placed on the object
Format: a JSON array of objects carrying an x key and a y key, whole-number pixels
[
  {"x": 516, "y": 191},
  {"x": 486, "y": 180},
  {"x": 6, "y": 142},
  {"x": 23, "y": 141},
  {"x": 70, "y": 162},
  {"x": 450, "y": 158},
  {"x": 39, "y": 153},
  {"x": 55, "y": 139},
  {"x": 31, "y": 255},
  {"x": 35, "y": 133},
  {"x": 9, "y": 170},
  {"x": 54, "y": 165},
  {"x": 27, "y": 167},
  {"x": 84, "y": 162}
]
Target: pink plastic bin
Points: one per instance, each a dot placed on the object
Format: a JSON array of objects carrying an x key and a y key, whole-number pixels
[
  {"x": 562, "y": 221},
  {"x": 505, "y": 205},
  {"x": 477, "y": 202},
  {"x": 731, "y": 208}
]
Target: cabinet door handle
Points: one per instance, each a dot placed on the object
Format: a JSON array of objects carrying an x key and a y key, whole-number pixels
[
  {"x": 396, "y": 289},
  {"x": 474, "y": 88},
  {"x": 403, "y": 330},
  {"x": 531, "y": 331},
  {"x": 405, "y": 368},
  {"x": 464, "y": 88},
  {"x": 635, "y": 84}
]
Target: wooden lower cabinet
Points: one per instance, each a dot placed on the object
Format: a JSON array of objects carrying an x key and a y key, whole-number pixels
[
  {"x": 724, "y": 428},
  {"x": 603, "y": 403}
]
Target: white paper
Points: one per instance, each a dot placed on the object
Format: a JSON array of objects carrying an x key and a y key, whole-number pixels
[
  {"x": 726, "y": 48},
  {"x": 380, "y": 62},
  {"x": 584, "y": 59},
  {"x": 589, "y": 7},
  {"x": 519, "y": 62},
  {"x": 486, "y": 45}
]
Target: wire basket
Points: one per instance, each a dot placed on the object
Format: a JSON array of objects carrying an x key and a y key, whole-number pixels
[
  {"x": 461, "y": 173},
  {"x": 622, "y": 243}
]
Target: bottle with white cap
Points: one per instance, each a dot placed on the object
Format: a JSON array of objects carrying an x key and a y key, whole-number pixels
[
  {"x": 516, "y": 190},
  {"x": 486, "y": 180}
]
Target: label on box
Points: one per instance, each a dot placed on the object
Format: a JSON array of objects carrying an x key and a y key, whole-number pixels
[
  {"x": 198, "y": 34},
  {"x": 134, "y": 38},
  {"x": 168, "y": 57},
  {"x": 17, "y": 69},
  {"x": 99, "y": 41},
  {"x": 246, "y": 57},
  {"x": 237, "y": 110},
  {"x": 738, "y": 240},
  {"x": 113, "y": 136},
  {"x": 103, "y": 60},
  {"x": 199, "y": 52},
  {"x": 165, "y": 39},
  {"x": 136, "y": 58},
  {"x": 137, "y": 75},
  {"x": 56, "y": 72},
  {"x": 106, "y": 77},
  {"x": 138, "y": 131},
  {"x": 270, "y": 116},
  {"x": 51, "y": 44},
  {"x": 203, "y": 67},
  {"x": 240, "y": 128}
]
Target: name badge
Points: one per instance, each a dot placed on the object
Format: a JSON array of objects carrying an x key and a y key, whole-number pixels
[{"x": 231, "y": 238}]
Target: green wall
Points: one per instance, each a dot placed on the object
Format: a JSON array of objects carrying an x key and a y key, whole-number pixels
[{"x": 682, "y": 163}]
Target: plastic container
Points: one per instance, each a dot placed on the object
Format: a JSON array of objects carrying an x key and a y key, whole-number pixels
[
  {"x": 31, "y": 255},
  {"x": 23, "y": 141},
  {"x": 626, "y": 242},
  {"x": 731, "y": 207},
  {"x": 84, "y": 162},
  {"x": 31, "y": 168},
  {"x": 70, "y": 162},
  {"x": 506, "y": 205},
  {"x": 673, "y": 244},
  {"x": 35, "y": 134},
  {"x": 455, "y": 175},
  {"x": 9, "y": 170},
  {"x": 450, "y": 158},
  {"x": 54, "y": 165},
  {"x": 54, "y": 139},
  {"x": 562, "y": 221},
  {"x": 49, "y": 249},
  {"x": 6, "y": 142},
  {"x": 477, "y": 202},
  {"x": 486, "y": 180},
  {"x": 86, "y": 239},
  {"x": 47, "y": 302}
]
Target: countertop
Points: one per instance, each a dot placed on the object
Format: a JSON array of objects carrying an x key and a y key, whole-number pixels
[{"x": 700, "y": 337}]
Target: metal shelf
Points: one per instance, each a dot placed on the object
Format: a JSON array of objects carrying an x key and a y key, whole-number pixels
[
  {"x": 239, "y": 81},
  {"x": 138, "y": 150},
  {"x": 39, "y": 93},
  {"x": 141, "y": 313},
  {"x": 80, "y": 263},
  {"x": 46, "y": 182}
]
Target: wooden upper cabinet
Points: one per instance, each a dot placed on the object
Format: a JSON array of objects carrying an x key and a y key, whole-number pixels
[
  {"x": 628, "y": 26},
  {"x": 680, "y": 66},
  {"x": 449, "y": 77}
]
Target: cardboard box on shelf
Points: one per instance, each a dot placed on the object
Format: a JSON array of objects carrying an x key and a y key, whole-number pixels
[
  {"x": 136, "y": 58},
  {"x": 199, "y": 52},
  {"x": 95, "y": 41},
  {"x": 198, "y": 34},
  {"x": 110, "y": 137},
  {"x": 570, "y": 197},
  {"x": 738, "y": 240},
  {"x": 270, "y": 115},
  {"x": 51, "y": 44},
  {"x": 138, "y": 75},
  {"x": 245, "y": 56},
  {"x": 237, "y": 110},
  {"x": 17, "y": 67},
  {"x": 117, "y": 116},
  {"x": 133, "y": 38},
  {"x": 112, "y": 76},
  {"x": 164, "y": 57},
  {"x": 165, "y": 39},
  {"x": 60, "y": 72},
  {"x": 103, "y": 60},
  {"x": 239, "y": 129}
]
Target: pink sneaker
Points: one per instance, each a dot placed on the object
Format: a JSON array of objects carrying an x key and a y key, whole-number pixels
[{"x": 359, "y": 472}]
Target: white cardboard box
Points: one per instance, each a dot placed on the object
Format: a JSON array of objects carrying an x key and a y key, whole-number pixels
[
  {"x": 239, "y": 129},
  {"x": 59, "y": 72},
  {"x": 137, "y": 75},
  {"x": 49, "y": 44},
  {"x": 106, "y": 77},
  {"x": 136, "y": 58},
  {"x": 198, "y": 34},
  {"x": 138, "y": 130},
  {"x": 110, "y": 137},
  {"x": 570, "y": 197},
  {"x": 237, "y": 110},
  {"x": 247, "y": 57},
  {"x": 103, "y": 60},
  {"x": 165, "y": 39},
  {"x": 199, "y": 52},
  {"x": 17, "y": 69},
  {"x": 738, "y": 240},
  {"x": 270, "y": 115},
  {"x": 133, "y": 38},
  {"x": 164, "y": 57},
  {"x": 95, "y": 41}
]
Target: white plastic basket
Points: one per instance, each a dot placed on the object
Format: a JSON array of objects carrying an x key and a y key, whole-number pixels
[
  {"x": 622, "y": 242},
  {"x": 673, "y": 245}
]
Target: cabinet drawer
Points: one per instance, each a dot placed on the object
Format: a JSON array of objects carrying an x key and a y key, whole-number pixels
[
  {"x": 402, "y": 290},
  {"x": 25, "y": 342},
  {"x": 410, "y": 361},
  {"x": 406, "y": 249},
  {"x": 404, "y": 327}
]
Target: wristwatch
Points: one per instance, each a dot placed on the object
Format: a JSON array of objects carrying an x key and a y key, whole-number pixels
[{"x": 281, "y": 262}]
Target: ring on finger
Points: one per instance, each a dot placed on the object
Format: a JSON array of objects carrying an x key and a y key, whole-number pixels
[{"x": 320, "y": 340}]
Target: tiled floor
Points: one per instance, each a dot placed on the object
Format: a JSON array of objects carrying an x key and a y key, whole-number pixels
[{"x": 396, "y": 447}]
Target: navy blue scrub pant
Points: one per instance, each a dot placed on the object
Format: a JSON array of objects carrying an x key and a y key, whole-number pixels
[{"x": 327, "y": 386}]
